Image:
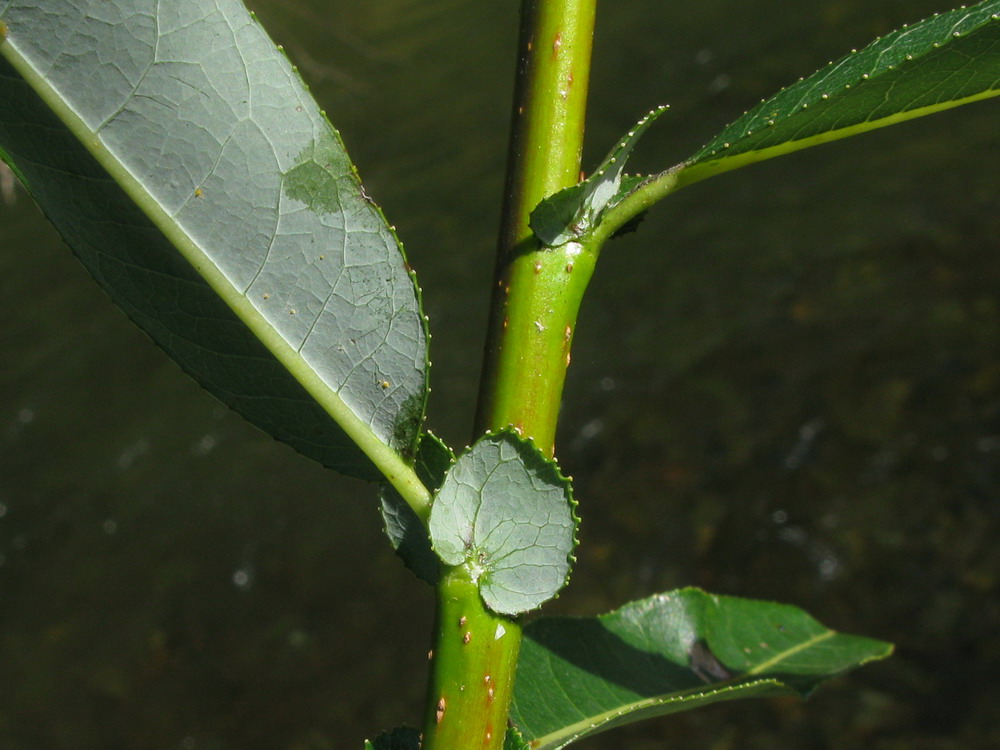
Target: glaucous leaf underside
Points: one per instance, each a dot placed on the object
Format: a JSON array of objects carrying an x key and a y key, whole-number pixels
[
  {"x": 181, "y": 157},
  {"x": 506, "y": 513}
]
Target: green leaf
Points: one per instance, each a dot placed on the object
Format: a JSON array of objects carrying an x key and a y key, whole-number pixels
[
  {"x": 514, "y": 740},
  {"x": 182, "y": 158},
  {"x": 407, "y": 532},
  {"x": 668, "y": 653},
  {"x": 506, "y": 513},
  {"x": 570, "y": 213},
  {"x": 401, "y": 738},
  {"x": 942, "y": 62}
]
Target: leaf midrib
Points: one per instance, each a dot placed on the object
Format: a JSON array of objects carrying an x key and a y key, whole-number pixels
[
  {"x": 396, "y": 470},
  {"x": 590, "y": 725},
  {"x": 587, "y": 725},
  {"x": 687, "y": 175},
  {"x": 684, "y": 174}
]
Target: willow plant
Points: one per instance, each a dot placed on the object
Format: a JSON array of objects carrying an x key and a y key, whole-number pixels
[{"x": 183, "y": 160}]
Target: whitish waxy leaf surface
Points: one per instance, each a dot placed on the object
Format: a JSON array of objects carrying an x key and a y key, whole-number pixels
[
  {"x": 506, "y": 514},
  {"x": 571, "y": 212},
  {"x": 942, "y": 62},
  {"x": 179, "y": 126},
  {"x": 668, "y": 653}
]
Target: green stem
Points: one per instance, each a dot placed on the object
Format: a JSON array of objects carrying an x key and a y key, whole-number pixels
[
  {"x": 532, "y": 320},
  {"x": 474, "y": 660},
  {"x": 538, "y": 292}
]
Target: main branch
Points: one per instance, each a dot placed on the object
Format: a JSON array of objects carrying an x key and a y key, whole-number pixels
[
  {"x": 536, "y": 298},
  {"x": 538, "y": 292}
]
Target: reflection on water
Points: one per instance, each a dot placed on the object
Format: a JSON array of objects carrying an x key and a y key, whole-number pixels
[{"x": 786, "y": 384}]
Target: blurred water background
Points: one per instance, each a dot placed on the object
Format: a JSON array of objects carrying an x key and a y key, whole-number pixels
[{"x": 785, "y": 385}]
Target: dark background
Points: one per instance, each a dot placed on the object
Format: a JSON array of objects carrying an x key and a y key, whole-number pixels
[{"x": 785, "y": 385}]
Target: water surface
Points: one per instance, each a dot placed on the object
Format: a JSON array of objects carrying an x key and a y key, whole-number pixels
[{"x": 786, "y": 384}]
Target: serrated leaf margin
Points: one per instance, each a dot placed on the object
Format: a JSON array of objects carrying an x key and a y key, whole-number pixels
[
  {"x": 458, "y": 546},
  {"x": 572, "y": 212}
]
